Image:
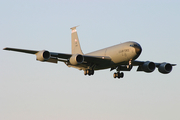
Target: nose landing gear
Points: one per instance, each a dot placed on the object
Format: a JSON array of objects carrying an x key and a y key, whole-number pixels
[{"x": 118, "y": 75}]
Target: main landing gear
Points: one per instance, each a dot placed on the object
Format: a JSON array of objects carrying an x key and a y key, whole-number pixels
[
  {"x": 89, "y": 72},
  {"x": 118, "y": 75}
]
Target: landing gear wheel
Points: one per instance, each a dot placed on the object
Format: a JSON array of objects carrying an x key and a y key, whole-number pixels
[
  {"x": 118, "y": 75},
  {"x": 122, "y": 74},
  {"x": 114, "y": 75},
  {"x": 89, "y": 72},
  {"x": 85, "y": 72},
  {"x": 92, "y": 72}
]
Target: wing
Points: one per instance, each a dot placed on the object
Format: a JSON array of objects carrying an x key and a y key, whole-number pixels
[
  {"x": 49, "y": 56},
  {"x": 97, "y": 59},
  {"x": 148, "y": 66},
  {"x": 21, "y": 50},
  {"x": 54, "y": 57},
  {"x": 139, "y": 63}
]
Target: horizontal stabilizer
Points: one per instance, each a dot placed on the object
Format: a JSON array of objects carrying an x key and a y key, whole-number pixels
[{"x": 74, "y": 27}]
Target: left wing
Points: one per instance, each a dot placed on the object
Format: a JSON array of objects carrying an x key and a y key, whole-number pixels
[
  {"x": 138, "y": 63},
  {"x": 148, "y": 66}
]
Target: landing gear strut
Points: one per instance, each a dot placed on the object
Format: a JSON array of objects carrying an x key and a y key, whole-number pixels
[
  {"x": 118, "y": 75},
  {"x": 89, "y": 72}
]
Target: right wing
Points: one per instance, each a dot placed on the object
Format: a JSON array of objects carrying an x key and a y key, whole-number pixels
[
  {"x": 49, "y": 56},
  {"x": 21, "y": 50},
  {"x": 54, "y": 57}
]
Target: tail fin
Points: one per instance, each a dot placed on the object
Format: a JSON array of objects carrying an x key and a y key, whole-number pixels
[{"x": 76, "y": 48}]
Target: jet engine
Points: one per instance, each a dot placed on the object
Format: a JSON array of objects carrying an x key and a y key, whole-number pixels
[
  {"x": 147, "y": 67},
  {"x": 165, "y": 68},
  {"x": 43, "y": 55},
  {"x": 76, "y": 59}
]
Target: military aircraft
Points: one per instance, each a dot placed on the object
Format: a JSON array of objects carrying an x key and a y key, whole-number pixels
[{"x": 121, "y": 57}]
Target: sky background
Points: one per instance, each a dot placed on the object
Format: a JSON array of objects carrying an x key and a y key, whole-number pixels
[{"x": 33, "y": 90}]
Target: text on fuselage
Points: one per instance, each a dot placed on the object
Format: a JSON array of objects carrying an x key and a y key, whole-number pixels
[{"x": 125, "y": 50}]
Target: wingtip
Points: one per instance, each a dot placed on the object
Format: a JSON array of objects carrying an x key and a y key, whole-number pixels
[
  {"x": 5, "y": 48},
  {"x": 174, "y": 64}
]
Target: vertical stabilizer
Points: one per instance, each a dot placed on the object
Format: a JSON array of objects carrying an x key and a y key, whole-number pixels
[{"x": 76, "y": 48}]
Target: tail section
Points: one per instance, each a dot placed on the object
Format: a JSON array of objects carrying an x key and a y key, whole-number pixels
[{"x": 76, "y": 48}]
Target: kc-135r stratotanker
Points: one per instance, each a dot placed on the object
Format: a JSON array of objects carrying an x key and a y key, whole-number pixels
[{"x": 121, "y": 57}]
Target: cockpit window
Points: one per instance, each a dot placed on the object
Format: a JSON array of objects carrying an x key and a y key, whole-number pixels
[{"x": 134, "y": 45}]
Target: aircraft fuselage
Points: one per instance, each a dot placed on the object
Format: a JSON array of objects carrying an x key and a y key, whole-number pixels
[{"x": 121, "y": 53}]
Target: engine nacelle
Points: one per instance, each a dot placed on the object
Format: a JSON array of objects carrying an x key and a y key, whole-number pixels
[
  {"x": 148, "y": 66},
  {"x": 43, "y": 55},
  {"x": 76, "y": 59},
  {"x": 165, "y": 68}
]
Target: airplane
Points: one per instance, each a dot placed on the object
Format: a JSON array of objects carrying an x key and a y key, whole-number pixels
[{"x": 120, "y": 57}]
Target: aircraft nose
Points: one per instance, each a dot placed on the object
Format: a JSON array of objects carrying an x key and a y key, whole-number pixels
[{"x": 138, "y": 50}]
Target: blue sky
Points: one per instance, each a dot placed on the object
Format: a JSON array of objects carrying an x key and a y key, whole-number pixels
[{"x": 30, "y": 89}]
